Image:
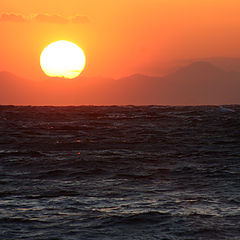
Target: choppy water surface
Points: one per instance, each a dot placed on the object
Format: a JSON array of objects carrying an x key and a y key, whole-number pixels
[{"x": 119, "y": 172}]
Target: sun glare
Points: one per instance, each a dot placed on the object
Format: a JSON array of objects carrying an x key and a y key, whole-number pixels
[{"x": 62, "y": 59}]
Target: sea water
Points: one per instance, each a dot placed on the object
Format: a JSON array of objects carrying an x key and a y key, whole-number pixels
[{"x": 119, "y": 172}]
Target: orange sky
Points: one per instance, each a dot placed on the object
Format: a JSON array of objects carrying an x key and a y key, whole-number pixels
[{"x": 118, "y": 37}]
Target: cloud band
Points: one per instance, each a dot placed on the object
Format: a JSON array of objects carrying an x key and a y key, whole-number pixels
[{"x": 43, "y": 18}]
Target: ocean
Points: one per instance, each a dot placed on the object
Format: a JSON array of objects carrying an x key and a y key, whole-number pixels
[{"x": 120, "y": 172}]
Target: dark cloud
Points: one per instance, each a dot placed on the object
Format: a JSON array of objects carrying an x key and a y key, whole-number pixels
[
  {"x": 11, "y": 17},
  {"x": 57, "y": 19},
  {"x": 80, "y": 19}
]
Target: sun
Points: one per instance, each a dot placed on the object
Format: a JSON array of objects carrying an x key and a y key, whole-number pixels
[{"x": 62, "y": 59}]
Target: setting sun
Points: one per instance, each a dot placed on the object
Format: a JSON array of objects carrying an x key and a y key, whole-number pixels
[{"x": 62, "y": 59}]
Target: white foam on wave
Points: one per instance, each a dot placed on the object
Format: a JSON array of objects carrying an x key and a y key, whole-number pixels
[{"x": 225, "y": 110}]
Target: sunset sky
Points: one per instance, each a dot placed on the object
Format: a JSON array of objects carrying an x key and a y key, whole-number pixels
[{"x": 119, "y": 38}]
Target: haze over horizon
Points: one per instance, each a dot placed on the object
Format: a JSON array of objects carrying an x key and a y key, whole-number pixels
[{"x": 198, "y": 83}]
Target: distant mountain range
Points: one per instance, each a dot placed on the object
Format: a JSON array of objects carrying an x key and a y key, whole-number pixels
[
  {"x": 199, "y": 83},
  {"x": 226, "y": 63}
]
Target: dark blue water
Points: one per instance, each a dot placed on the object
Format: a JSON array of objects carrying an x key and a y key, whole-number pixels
[{"x": 115, "y": 172}]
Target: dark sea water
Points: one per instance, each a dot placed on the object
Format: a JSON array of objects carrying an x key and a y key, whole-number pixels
[{"x": 109, "y": 173}]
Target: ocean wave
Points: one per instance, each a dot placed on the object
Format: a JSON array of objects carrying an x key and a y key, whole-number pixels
[{"x": 138, "y": 218}]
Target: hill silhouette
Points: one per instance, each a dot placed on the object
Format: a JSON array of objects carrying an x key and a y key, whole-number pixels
[
  {"x": 226, "y": 63},
  {"x": 196, "y": 83},
  {"x": 198, "y": 69}
]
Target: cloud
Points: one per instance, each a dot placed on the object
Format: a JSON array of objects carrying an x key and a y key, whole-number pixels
[
  {"x": 46, "y": 18},
  {"x": 12, "y": 17},
  {"x": 80, "y": 19},
  {"x": 43, "y": 18}
]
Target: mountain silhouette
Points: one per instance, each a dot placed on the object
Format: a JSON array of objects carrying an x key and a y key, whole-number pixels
[
  {"x": 198, "y": 69},
  {"x": 226, "y": 63},
  {"x": 12, "y": 87},
  {"x": 201, "y": 83},
  {"x": 197, "y": 83}
]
